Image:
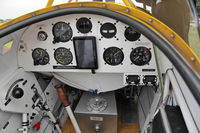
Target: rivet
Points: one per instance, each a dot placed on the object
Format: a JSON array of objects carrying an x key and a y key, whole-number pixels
[
  {"x": 26, "y": 105},
  {"x": 192, "y": 59},
  {"x": 33, "y": 14},
  {"x": 104, "y": 5},
  {"x": 127, "y": 10},
  {"x": 80, "y": 5},
  {"x": 172, "y": 35},
  {"x": 150, "y": 20}
]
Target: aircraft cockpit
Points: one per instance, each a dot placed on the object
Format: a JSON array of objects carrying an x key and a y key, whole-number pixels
[{"x": 101, "y": 67}]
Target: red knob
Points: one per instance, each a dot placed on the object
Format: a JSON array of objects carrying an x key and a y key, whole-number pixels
[{"x": 36, "y": 127}]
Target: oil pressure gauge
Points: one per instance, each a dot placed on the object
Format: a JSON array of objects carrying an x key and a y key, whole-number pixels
[{"x": 140, "y": 56}]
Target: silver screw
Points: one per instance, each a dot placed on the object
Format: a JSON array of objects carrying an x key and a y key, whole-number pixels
[
  {"x": 151, "y": 20},
  {"x": 192, "y": 59},
  {"x": 127, "y": 10},
  {"x": 172, "y": 35}
]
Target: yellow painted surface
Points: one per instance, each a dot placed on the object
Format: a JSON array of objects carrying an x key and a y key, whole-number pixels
[
  {"x": 49, "y": 3},
  {"x": 134, "y": 13}
]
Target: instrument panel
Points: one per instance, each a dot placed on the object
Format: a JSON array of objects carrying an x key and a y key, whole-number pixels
[{"x": 49, "y": 46}]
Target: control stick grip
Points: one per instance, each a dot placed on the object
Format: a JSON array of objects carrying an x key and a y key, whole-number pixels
[{"x": 62, "y": 95}]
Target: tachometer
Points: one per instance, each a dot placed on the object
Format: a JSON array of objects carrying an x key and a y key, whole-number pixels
[
  {"x": 140, "y": 56},
  {"x": 40, "y": 56},
  {"x": 62, "y": 32},
  {"x": 113, "y": 56},
  {"x": 131, "y": 34},
  {"x": 63, "y": 56}
]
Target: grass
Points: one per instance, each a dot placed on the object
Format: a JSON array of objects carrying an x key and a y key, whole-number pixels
[{"x": 194, "y": 40}]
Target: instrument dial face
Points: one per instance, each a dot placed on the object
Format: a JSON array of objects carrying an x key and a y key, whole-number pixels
[
  {"x": 84, "y": 25},
  {"x": 131, "y": 35},
  {"x": 140, "y": 56},
  {"x": 62, "y": 32},
  {"x": 113, "y": 56},
  {"x": 108, "y": 30},
  {"x": 63, "y": 56},
  {"x": 40, "y": 56}
]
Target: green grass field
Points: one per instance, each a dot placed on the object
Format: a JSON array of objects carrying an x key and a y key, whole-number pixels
[{"x": 194, "y": 40}]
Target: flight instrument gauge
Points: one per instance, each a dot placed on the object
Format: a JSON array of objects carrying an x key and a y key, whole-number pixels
[
  {"x": 131, "y": 34},
  {"x": 40, "y": 56},
  {"x": 113, "y": 56},
  {"x": 84, "y": 25},
  {"x": 63, "y": 56},
  {"x": 108, "y": 30},
  {"x": 62, "y": 32},
  {"x": 140, "y": 56}
]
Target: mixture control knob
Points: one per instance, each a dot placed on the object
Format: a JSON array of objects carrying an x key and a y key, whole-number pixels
[
  {"x": 17, "y": 93},
  {"x": 97, "y": 127}
]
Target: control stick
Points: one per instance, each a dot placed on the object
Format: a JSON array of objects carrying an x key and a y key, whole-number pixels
[{"x": 65, "y": 101}]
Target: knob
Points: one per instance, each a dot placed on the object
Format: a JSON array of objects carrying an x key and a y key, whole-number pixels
[
  {"x": 61, "y": 94},
  {"x": 36, "y": 127},
  {"x": 42, "y": 36},
  {"x": 17, "y": 93}
]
